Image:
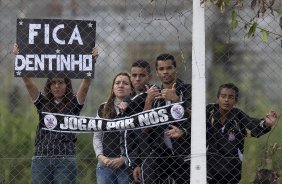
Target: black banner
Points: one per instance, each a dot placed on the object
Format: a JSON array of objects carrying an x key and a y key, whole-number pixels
[
  {"x": 51, "y": 47},
  {"x": 81, "y": 124}
]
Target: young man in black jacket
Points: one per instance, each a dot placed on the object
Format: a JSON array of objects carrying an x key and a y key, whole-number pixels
[
  {"x": 226, "y": 132},
  {"x": 137, "y": 141},
  {"x": 170, "y": 143}
]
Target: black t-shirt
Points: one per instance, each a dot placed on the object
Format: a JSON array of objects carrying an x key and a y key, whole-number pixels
[{"x": 48, "y": 143}]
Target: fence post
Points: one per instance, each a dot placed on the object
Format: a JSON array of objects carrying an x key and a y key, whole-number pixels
[{"x": 198, "y": 133}]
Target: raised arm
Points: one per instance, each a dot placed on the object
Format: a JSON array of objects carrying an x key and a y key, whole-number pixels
[
  {"x": 84, "y": 86},
  {"x": 259, "y": 126},
  {"x": 271, "y": 118},
  {"x": 29, "y": 84},
  {"x": 153, "y": 93},
  {"x": 31, "y": 88}
]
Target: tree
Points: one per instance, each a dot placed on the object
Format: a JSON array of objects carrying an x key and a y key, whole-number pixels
[{"x": 260, "y": 7}]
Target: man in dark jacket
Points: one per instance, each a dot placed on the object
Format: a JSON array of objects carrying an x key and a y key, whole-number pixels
[
  {"x": 226, "y": 132},
  {"x": 136, "y": 143},
  {"x": 170, "y": 143}
]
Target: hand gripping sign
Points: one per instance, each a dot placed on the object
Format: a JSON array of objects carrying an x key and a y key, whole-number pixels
[{"x": 51, "y": 47}]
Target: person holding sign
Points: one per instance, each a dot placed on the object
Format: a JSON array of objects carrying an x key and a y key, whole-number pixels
[
  {"x": 227, "y": 128},
  {"x": 54, "y": 158},
  {"x": 58, "y": 47},
  {"x": 109, "y": 148},
  {"x": 170, "y": 145}
]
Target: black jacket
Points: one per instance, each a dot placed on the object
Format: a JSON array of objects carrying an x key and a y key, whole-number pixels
[
  {"x": 137, "y": 142},
  {"x": 228, "y": 138},
  {"x": 113, "y": 142},
  {"x": 182, "y": 145},
  {"x": 226, "y": 142},
  {"x": 142, "y": 144}
]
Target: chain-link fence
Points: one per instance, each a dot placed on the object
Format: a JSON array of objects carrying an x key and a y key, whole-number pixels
[{"x": 127, "y": 31}]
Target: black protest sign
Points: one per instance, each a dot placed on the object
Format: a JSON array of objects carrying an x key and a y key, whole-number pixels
[
  {"x": 81, "y": 124},
  {"x": 55, "y": 48}
]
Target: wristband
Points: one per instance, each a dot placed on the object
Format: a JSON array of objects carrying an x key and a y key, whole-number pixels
[
  {"x": 185, "y": 132},
  {"x": 262, "y": 124},
  {"x": 125, "y": 160}
]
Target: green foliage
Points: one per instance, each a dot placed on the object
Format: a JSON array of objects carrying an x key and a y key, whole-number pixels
[
  {"x": 260, "y": 7},
  {"x": 87, "y": 170},
  {"x": 86, "y": 158},
  {"x": 264, "y": 35},
  {"x": 278, "y": 10},
  {"x": 252, "y": 29},
  {"x": 218, "y": 47},
  {"x": 17, "y": 143},
  {"x": 234, "y": 21}
]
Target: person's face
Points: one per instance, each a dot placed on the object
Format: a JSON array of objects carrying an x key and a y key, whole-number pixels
[
  {"x": 139, "y": 78},
  {"x": 122, "y": 87},
  {"x": 166, "y": 72},
  {"x": 226, "y": 99},
  {"x": 58, "y": 87}
]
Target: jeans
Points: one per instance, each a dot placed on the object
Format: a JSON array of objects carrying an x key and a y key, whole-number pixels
[
  {"x": 106, "y": 175},
  {"x": 48, "y": 170}
]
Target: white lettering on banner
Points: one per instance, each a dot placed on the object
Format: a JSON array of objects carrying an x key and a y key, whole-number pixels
[
  {"x": 50, "y": 58},
  {"x": 73, "y": 123},
  {"x": 64, "y": 63},
  {"x": 19, "y": 62},
  {"x": 163, "y": 115},
  {"x": 55, "y": 37},
  {"x": 153, "y": 117},
  {"x": 76, "y": 62},
  {"x": 38, "y": 63},
  {"x": 120, "y": 124},
  {"x": 29, "y": 65},
  {"x": 46, "y": 34},
  {"x": 87, "y": 63},
  {"x": 34, "y": 62},
  {"x": 92, "y": 125},
  {"x": 33, "y": 32},
  {"x": 75, "y": 36}
]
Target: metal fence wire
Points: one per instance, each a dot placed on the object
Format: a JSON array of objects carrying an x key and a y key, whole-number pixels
[{"x": 242, "y": 48}]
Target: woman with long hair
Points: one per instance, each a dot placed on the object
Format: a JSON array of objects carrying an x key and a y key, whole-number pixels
[
  {"x": 109, "y": 147},
  {"x": 54, "y": 158}
]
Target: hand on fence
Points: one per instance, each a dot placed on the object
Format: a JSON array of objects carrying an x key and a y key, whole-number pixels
[
  {"x": 16, "y": 49},
  {"x": 174, "y": 132},
  {"x": 271, "y": 118},
  {"x": 95, "y": 53},
  {"x": 153, "y": 92}
]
